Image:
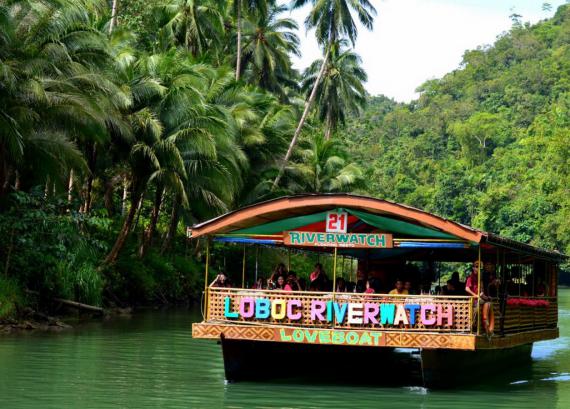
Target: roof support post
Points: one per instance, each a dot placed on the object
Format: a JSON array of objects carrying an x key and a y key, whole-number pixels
[
  {"x": 479, "y": 292},
  {"x": 206, "y": 278},
  {"x": 334, "y": 280},
  {"x": 256, "y": 263},
  {"x": 243, "y": 269}
]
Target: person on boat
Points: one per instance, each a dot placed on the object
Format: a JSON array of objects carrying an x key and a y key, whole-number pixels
[
  {"x": 319, "y": 279},
  {"x": 292, "y": 283},
  {"x": 280, "y": 283},
  {"x": 340, "y": 285},
  {"x": 259, "y": 284},
  {"x": 494, "y": 286},
  {"x": 457, "y": 283},
  {"x": 408, "y": 287},
  {"x": 449, "y": 288},
  {"x": 280, "y": 270},
  {"x": 221, "y": 281},
  {"x": 399, "y": 289},
  {"x": 426, "y": 288},
  {"x": 360, "y": 286},
  {"x": 369, "y": 287},
  {"x": 472, "y": 284}
]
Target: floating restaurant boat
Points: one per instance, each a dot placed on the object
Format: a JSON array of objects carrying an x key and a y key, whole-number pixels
[{"x": 267, "y": 333}]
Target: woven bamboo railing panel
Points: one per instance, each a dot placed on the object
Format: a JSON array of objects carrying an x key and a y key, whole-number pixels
[
  {"x": 462, "y": 311},
  {"x": 519, "y": 318}
]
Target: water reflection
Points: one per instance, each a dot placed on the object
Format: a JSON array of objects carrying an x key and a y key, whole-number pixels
[{"x": 151, "y": 361}]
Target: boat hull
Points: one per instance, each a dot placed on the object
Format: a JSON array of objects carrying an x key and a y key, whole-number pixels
[{"x": 246, "y": 360}]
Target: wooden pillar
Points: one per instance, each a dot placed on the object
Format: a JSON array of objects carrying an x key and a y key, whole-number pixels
[
  {"x": 243, "y": 269},
  {"x": 479, "y": 273},
  {"x": 206, "y": 278}
]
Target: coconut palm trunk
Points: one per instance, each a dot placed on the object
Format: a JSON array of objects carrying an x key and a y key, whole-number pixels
[
  {"x": 238, "y": 61},
  {"x": 113, "y": 16},
  {"x": 308, "y": 105},
  {"x": 149, "y": 232},
  {"x": 174, "y": 216},
  {"x": 136, "y": 198},
  {"x": 70, "y": 188},
  {"x": 328, "y": 126}
]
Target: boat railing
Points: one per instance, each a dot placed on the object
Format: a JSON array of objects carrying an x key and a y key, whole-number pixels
[
  {"x": 525, "y": 314},
  {"x": 327, "y": 310}
]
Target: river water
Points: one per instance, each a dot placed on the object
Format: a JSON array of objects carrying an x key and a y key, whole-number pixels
[{"x": 151, "y": 361}]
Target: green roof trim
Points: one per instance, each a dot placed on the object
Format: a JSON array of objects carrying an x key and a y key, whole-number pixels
[
  {"x": 397, "y": 226},
  {"x": 381, "y": 222},
  {"x": 279, "y": 226}
]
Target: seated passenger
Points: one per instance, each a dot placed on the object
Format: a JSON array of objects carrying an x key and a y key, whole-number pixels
[
  {"x": 449, "y": 289},
  {"x": 280, "y": 270},
  {"x": 280, "y": 284},
  {"x": 408, "y": 287},
  {"x": 259, "y": 284},
  {"x": 426, "y": 289},
  {"x": 319, "y": 279},
  {"x": 292, "y": 283},
  {"x": 399, "y": 290},
  {"x": 369, "y": 287},
  {"x": 221, "y": 281},
  {"x": 360, "y": 286},
  {"x": 459, "y": 286},
  {"x": 340, "y": 285}
]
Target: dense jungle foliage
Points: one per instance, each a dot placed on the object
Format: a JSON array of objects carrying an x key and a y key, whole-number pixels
[
  {"x": 488, "y": 144},
  {"x": 122, "y": 122}
]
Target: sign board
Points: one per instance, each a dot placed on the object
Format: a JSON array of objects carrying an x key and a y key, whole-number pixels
[
  {"x": 344, "y": 240},
  {"x": 370, "y": 313},
  {"x": 337, "y": 222}
]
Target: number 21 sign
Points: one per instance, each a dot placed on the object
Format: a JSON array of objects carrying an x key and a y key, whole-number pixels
[{"x": 337, "y": 222}]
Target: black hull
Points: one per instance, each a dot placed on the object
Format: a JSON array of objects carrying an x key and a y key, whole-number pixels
[
  {"x": 449, "y": 368},
  {"x": 264, "y": 361}
]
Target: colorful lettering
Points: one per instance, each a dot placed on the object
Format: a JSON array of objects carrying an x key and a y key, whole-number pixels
[
  {"x": 227, "y": 308},
  {"x": 262, "y": 308},
  {"x": 387, "y": 314},
  {"x": 400, "y": 316}
]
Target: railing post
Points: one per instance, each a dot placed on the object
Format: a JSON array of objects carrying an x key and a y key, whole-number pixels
[
  {"x": 334, "y": 284},
  {"x": 243, "y": 269},
  {"x": 479, "y": 292},
  {"x": 206, "y": 279}
]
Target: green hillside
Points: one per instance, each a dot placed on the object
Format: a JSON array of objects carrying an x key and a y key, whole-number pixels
[{"x": 486, "y": 145}]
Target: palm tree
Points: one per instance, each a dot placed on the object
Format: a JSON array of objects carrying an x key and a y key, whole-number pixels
[
  {"x": 241, "y": 7},
  {"x": 322, "y": 168},
  {"x": 332, "y": 21},
  {"x": 269, "y": 43},
  {"x": 341, "y": 89},
  {"x": 52, "y": 91},
  {"x": 197, "y": 25}
]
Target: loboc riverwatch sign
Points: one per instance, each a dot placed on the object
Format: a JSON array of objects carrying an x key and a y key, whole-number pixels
[{"x": 354, "y": 240}]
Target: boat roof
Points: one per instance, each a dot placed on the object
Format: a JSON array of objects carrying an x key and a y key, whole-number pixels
[{"x": 291, "y": 212}]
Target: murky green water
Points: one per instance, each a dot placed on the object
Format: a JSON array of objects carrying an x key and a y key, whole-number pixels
[{"x": 151, "y": 361}]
